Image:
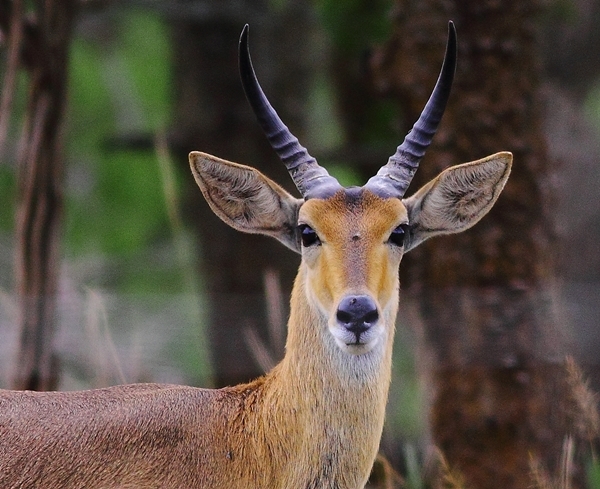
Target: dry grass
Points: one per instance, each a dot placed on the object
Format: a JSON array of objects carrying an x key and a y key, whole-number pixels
[
  {"x": 103, "y": 351},
  {"x": 438, "y": 473},
  {"x": 267, "y": 354},
  {"x": 540, "y": 477},
  {"x": 383, "y": 475},
  {"x": 583, "y": 409},
  {"x": 584, "y": 422}
]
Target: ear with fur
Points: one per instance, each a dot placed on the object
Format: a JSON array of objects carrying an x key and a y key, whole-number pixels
[
  {"x": 247, "y": 200},
  {"x": 457, "y": 199}
]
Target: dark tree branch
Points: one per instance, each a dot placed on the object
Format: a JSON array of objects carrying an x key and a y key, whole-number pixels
[
  {"x": 11, "y": 23},
  {"x": 44, "y": 54}
]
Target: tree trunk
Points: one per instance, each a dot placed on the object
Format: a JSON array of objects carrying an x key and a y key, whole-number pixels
[
  {"x": 568, "y": 47},
  {"x": 45, "y": 39},
  {"x": 485, "y": 297},
  {"x": 212, "y": 115}
]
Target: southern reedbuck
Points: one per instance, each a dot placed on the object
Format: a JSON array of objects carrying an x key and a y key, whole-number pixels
[{"x": 315, "y": 420}]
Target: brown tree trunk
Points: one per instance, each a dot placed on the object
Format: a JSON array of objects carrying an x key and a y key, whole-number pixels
[
  {"x": 212, "y": 115},
  {"x": 568, "y": 48},
  {"x": 44, "y": 39},
  {"x": 485, "y": 297}
]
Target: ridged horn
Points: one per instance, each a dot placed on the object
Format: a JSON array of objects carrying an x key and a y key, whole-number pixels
[
  {"x": 393, "y": 179},
  {"x": 312, "y": 180}
]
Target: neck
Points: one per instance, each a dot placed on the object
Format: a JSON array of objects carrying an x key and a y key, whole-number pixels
[{"x": 328, "y": 405}]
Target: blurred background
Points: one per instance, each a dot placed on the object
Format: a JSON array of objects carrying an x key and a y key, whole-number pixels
[{"x": 151, "y": 286}]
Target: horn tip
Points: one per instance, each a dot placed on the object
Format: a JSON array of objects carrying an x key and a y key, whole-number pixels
[
  {"x": 451, "y": 33},
  {"x": 244, "y": 34},
  {"x": 451, "y": 28}
]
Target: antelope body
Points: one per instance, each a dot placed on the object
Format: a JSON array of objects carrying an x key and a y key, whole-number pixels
[{"x": 315, "y": 420}]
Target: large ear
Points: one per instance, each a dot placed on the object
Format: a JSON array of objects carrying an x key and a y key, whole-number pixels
[
  {"x": 247, "y": 200},
  {"x": 458, "y": 198}
]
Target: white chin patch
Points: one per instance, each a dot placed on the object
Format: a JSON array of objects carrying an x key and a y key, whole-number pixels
[{"x": 349, "y": 343}]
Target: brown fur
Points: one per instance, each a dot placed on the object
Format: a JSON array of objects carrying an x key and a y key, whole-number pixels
[{"x": 314, "y": 421}]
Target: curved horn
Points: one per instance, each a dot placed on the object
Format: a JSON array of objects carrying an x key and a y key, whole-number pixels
[
  {"x": 393, "y": 179},
  {"x": 311, "y": 179}
]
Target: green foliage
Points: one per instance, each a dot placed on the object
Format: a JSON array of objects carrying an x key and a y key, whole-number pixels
[
  {"x": 115, "y": 199},
  {"x": 8, "y": 170},
  {"x": 404, "y": 413},
  {"x": 354, "y": 27},
  {"x": 345, "y": 174},
  {"x": 592, "y": 106},
  {"x": 144, "y": 44},
  {"x": 324, "y": 130},
  {"x": 7, "y": 193},
  {"x": 561, "y": 11},
  {"x": 593, "y": 474},
  {"x": 116, "y": 194},
  {"x": 414, "y": 479},
  {"x": 381, "y": 124},
  {"x": 355, "y": 24},
  {"x": 278, "y": 5}
]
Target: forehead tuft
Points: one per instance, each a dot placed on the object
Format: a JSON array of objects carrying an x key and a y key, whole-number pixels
[{"x": 352, "y": 209}]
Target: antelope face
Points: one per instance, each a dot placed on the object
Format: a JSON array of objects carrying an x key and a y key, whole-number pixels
[
  {"x": 352, "y": 244},
  {"x": 351, "y": 239}
]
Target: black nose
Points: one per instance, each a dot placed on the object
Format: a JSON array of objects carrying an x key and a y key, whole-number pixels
[{"x": 357, "y": 313}]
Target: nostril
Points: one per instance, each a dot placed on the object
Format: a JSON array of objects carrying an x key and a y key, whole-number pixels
[
  {"x": 344, "y": 317},
  {"x": 371, "y": 317},
  {"x": 357, "y": 311}
]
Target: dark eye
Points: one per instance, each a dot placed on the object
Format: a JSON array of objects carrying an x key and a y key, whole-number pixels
[
  {"x": 399, "y": 234},
  {"x": 308, "y": 235}
]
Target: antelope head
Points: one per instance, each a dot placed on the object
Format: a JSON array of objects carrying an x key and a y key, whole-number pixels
[{"x": 351, "y": 239}]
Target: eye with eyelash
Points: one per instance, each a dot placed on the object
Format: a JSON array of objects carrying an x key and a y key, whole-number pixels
[
  {"x": 308, "y": 236},
  {"x": 398, "y": 235}
]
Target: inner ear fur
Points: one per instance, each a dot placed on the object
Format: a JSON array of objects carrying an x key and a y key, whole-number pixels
[
  {"x": 458, "y": 198},
  {"x": 246, "y": 199}
]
